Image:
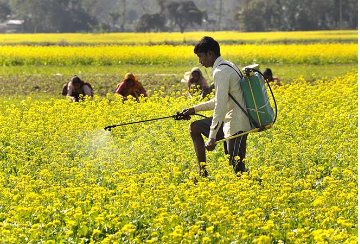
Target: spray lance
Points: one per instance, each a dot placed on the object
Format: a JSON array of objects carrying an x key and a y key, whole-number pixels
[{"x": 177, "y": 116}]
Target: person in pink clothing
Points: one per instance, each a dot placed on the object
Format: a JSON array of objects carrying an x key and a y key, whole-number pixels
[{"x": 197, "y": 82}]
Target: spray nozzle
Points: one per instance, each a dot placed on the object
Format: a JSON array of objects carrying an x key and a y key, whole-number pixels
[
  {"x": 108, "y": 128},
  {"x": 181, "y": 116}
]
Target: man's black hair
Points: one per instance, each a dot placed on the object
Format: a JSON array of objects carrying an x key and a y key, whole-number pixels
[{"x": 207, "y": 44}]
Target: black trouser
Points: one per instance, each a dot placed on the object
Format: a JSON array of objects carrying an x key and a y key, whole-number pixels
[{"x": 234, "y": 147}]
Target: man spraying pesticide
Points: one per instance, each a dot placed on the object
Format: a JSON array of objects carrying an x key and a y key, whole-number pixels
[
  {"x": 241, "y": 106},
  {"x": 233, "y": 117}
]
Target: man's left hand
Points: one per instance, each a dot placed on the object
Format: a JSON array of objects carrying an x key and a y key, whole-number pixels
[{"x": 210, "y": 144}]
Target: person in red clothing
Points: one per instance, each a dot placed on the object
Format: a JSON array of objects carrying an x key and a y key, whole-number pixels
[{"x": 131, "y": 86}]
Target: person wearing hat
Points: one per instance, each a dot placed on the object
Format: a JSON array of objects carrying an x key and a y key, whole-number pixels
[
  {"x": 196, "y": 82},
  {"x": 130, "y": 86}
]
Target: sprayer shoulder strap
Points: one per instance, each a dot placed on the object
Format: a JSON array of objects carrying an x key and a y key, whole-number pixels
[
  {"x": 255, "y": 124},
  {"x": 244, "y": 111},
  {"x": 239, "y": 73}
]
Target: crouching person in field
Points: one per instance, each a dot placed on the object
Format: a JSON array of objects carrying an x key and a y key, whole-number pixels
[
  {"x": 77, "y": 89},
  {"x": 130, "y": 86},
  {"x": 196, "y": 82}
]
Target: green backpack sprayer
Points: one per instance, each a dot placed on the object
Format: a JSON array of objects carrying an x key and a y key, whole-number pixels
[{"x": 258, "y": 107}]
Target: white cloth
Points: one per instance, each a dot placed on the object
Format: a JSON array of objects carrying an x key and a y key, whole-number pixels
[
  {"x": 226, "y": 81},
  {"x": 87, "y": 90}
]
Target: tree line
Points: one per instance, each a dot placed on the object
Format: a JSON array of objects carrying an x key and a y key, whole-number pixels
[
  {"x": 180, "y": 15},
  {"x": 297, "y": 15}
]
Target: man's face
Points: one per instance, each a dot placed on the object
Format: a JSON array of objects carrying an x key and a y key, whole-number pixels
[{"x": 206, "y": 59}]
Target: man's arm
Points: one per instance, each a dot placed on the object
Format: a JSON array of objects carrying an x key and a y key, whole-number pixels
[
  {"x": 221, "y": 98},
  {"x": 209, "y": 105}
]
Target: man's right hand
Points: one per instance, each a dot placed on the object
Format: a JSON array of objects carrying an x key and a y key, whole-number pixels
[{"x": 188, "y": 111}]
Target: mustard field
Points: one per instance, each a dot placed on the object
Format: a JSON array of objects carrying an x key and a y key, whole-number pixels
[
  {"x": 177, "y": 38},
  {"x": 64, "y": 179},
  {"x": 336, "y": 53}
]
